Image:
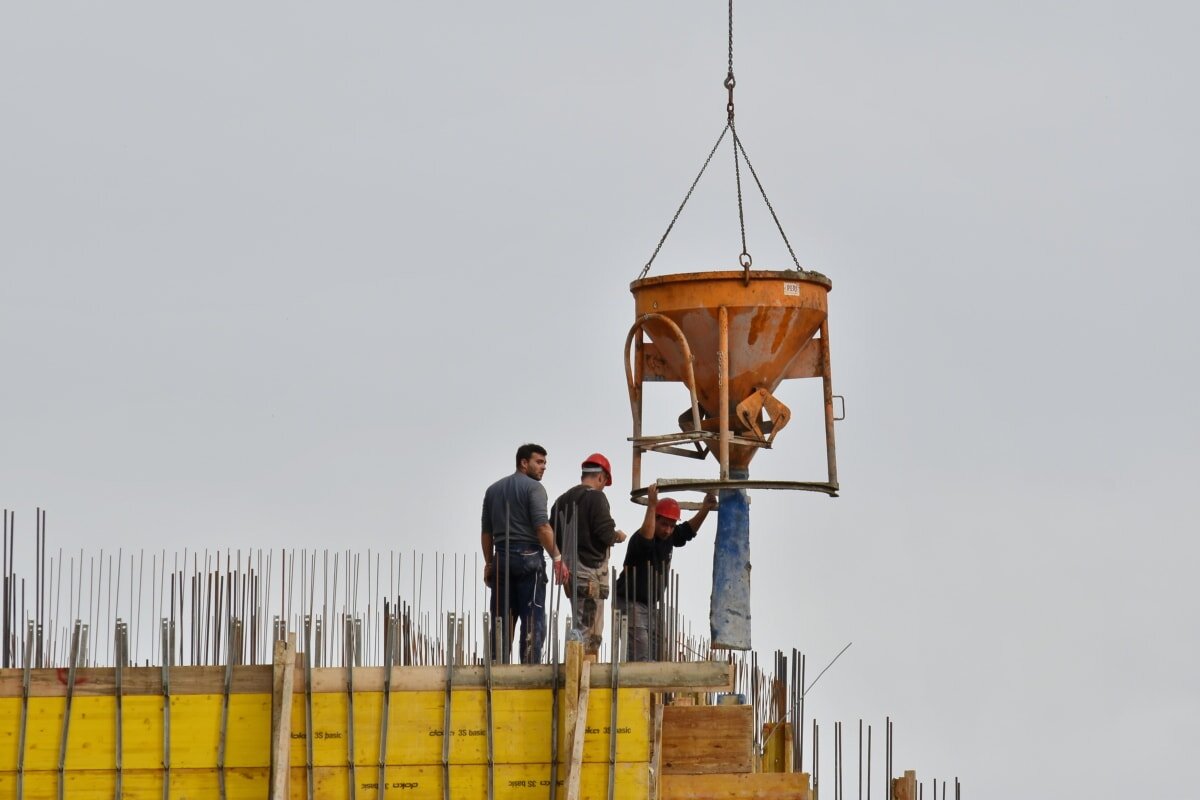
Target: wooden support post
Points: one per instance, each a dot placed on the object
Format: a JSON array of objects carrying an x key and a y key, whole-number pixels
[
  {"x": 905, "y": 788},
  {"x": 576, "y": 689},
  {"x": 656, "y": 750},
  {"x": 575, "y": 768},
  {"x": 283, "y": 673}
]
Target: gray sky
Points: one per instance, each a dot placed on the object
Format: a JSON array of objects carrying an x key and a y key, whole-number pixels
[{"x": 305, "y": 276}]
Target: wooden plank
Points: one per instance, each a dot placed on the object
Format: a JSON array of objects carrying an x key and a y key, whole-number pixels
[
  {"x": 513, "y": 782},
  {"x": 684, "y": 676},
  {"x": 905, "y": 788},
  {"x": 573, "y": 675},
  {"x": 746, "y": 786},
  {"x": 101, "y": 681},
  {"x": 707, "y": 739},
  {"x": 656, "y": 752},
  {"x": 575, "y": 758},
  {"x": 284, "y": 671},
  {"x": 706, "y": 676}
]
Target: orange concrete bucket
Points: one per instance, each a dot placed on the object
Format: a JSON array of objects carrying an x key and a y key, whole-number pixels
[{"x": 731, "y": 337}]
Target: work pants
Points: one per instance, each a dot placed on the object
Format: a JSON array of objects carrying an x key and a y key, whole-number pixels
[
  {"x": 637, "y": 622},
  {"x": 519, "y": 595},
  {"x": 588, "y": 593}
]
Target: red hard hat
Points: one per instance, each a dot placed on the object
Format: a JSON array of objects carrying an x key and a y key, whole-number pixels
[
  {"x": 597, "y": 460},
  {"x": 668, "y": 507}
]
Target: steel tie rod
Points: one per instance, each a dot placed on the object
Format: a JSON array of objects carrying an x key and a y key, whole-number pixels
[
  {"x": 166, "y": 697},
  {"x": 446, "y": 732},
  {"x": 350, "y": 648},
  {"x": 25, "y": 675},
  {"x": 76, "y": 650}
]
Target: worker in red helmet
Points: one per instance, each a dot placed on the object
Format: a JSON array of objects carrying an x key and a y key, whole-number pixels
[
  {"x": 585, "y": 532},
  {"x": 643, "y": 578}
]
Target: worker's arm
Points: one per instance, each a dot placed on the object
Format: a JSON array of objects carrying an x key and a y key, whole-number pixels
[
  {"x": 709, "y": 503},
  {"x": 545, "y": 536},
  {"x": 545, "y": 533},
  {"x": 488, "y": 545},
  {"x": 647, "y": 529}
]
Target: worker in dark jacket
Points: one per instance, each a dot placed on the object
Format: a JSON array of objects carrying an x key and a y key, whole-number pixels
[
  {"x": 584, "y": 532},
  {"x": 647, "y": 561}
]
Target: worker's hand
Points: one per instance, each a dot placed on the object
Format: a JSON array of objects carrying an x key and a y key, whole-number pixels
[
  {"x": 561, "y": 573},
  {"x": 710, "y": 501},
  {"x": 489, "y": 575},
  {"x": 652, "y": 495},
  {"x": 621, "y": 536}
]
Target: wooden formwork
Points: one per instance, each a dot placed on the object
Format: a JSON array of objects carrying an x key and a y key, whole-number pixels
[{"x": 264, "y": 731}]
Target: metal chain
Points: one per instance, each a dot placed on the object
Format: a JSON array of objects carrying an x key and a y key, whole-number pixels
[
  {"x": 744, "y": 259},
  {"x": 730, "y": 82},
  {"x": 686, "y": 197},
  {"x": 737, "y": 142},
  {"x": 730, "y": 37}
]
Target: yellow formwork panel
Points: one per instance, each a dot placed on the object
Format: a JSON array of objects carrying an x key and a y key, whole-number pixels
[
  {"x": 470, "y": 782},
  {"x": 10, "y": 721},
  {"x": 91, "y": 735},
  {"x": 186, "y": 784},
  {"x": 521, "y": 727}
]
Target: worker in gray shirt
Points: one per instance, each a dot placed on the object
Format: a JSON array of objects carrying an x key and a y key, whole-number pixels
[{"x": 515, "y": 531}]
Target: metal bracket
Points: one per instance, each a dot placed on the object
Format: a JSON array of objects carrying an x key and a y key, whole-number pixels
[
  {"x": 308, "y": 703},
  {"x": 615, "y": 648},
  {"x": 385, "y": 717},
  {"x": 446, "y": 712},
  {"x": 25, "y": 675},
  {"x": 351, "y": 650},
  {"x": 167, "y": 631},
  {"x": 121, "y": 645},
  {"x": 554, "y": 667},
  {"x": 706, "y": 484},
  {"x": 77, "y": 636},
  {"x": 751, "y": 409},
  {"x": 488, "y": 645},
  {"x": 227, "y": 686}
]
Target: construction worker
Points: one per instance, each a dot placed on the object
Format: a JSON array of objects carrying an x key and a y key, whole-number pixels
[
  {"x": 643, "y": 578},
  {"x": 585, "y": 532},
  {"x": 515, "y": 532}
]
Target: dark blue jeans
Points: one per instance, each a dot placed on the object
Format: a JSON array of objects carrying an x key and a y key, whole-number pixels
[{"x": 519, "y": 594}]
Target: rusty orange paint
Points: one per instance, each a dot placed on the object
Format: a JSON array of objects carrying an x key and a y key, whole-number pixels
[{"x": 771, "y": 317}]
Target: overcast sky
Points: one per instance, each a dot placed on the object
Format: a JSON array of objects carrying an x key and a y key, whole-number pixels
[{"x": 277, "y": 275}]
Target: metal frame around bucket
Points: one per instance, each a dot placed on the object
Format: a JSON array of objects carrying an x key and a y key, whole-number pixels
[{"x": 806, "y": 365}]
